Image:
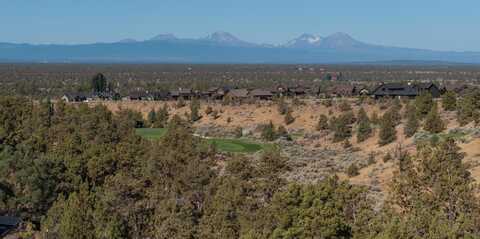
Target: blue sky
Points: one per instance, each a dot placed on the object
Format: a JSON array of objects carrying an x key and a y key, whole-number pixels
[{"x": 431, "y": 24}]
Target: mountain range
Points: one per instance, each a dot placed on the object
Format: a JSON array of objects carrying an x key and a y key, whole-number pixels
[{"x": 223, "y": 47}]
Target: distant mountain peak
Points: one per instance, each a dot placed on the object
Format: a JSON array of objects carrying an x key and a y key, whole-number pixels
[
  {"x": 306, "y": 40},
  {"x": 227, "y": 38},
  {"x": 341, "y": 40},
  {"x": 164, "y": 37}
]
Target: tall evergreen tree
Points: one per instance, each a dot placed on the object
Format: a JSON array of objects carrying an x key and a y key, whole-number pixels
[{"x": 99, "y": 83}]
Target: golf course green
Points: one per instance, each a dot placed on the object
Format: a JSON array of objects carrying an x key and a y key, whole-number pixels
[{"x": 224, "y": 145}]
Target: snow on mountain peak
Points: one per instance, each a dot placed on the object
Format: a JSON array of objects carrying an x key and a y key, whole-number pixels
[{"x": 305, "y": 40}]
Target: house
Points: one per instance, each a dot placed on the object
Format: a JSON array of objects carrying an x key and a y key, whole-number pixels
[
  {"x": 8, "y": 224},
  {"x": 297, "y": 91},
  {"x": 186, "y": 94},
  {"x": 261, "y": 94},
  {"x": 342, "y": 90},
  {"x": 105, "y": 96},
  {"x": 160, "y": 95},
  {"x": 209, "y": 93},
  {"x": 138, "y": 95},
  {"x": 74, "y": 97},
  {"x": 405, "y": 90},
  {"x": 237, "y": 94}
]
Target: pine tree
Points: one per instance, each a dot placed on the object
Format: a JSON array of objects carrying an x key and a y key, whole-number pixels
[
  {"x": 387, "y": 133},
  {"x": 449, "y": 101},
  {"x": 412, "y": 124},
  {"x": 433, "y": 123},
  {"x": 99, "y": 83},
  {"x": 364, "y": 130}
]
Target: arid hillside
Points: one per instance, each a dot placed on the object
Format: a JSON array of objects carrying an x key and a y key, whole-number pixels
[{"x": 307, "y": 150}]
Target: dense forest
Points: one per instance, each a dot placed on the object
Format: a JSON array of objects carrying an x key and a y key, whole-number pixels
[{"x": 73, "y": 171}]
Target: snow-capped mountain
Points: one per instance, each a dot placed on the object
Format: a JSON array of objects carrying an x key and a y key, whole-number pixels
[
  {"x": 341, "y": 40},
  {"x": 227, "y": 39},
  {"x": 223, "y": 47},
  {"x": 336, "y": 41},
  {"x": 305, "y": 41}
]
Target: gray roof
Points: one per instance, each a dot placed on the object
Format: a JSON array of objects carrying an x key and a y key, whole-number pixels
[
  {"x": 401, "y": 89},
  {"x": 7, "y": 224},
  {"x": 238, "y": 93},
  {"x": 260, "y": 92}
]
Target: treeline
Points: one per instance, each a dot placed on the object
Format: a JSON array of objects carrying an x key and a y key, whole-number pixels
[
  {"x": 53, "y": 80},
  {"x": 80, "y": 172}
]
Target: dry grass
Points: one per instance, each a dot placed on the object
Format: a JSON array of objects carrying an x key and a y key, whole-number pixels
[{"x": 306, "y": 117}]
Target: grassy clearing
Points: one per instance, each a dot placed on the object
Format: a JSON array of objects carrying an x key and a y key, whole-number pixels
[
  {"x": 224, "y": 145},
  {"x": 149, "y": 133},
  {"x": 235, "y": 145}
]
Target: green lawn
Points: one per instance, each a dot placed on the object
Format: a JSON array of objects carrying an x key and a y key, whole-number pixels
[
  {"x": 224, "y": 145},
  {"x": 149, "y": 133},
  {"x": 236, "y": 145}
]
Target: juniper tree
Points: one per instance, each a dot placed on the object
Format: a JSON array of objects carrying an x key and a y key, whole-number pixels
[
  {"x": 268, "y": 132},
  {"x": 387, "y": 133},
  {"x": 423, "y": 104},
  {"x": 322, "y": 122},
  {"x": 449, "y": 101},
  {"x": 162, "y": 117},
  {"x": 345, "y": 106},
  {"x": 282, "y": 106},
  {"x": 341, "y": 128},
  {"x": 412, "y": 124},
  {"x": 152, "y": 118},
  {"x": 364, "y": 130},
  {"x": 288, "y": 117},
  {"x": 433, "y": 122},
  {"x": 433, "y": 196},
  {"x": 465, "y": 109},
  {"x": 194, "y": 110}
]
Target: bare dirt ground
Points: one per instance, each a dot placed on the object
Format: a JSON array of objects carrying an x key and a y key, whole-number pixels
[{"x": 312, "y": 153}]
